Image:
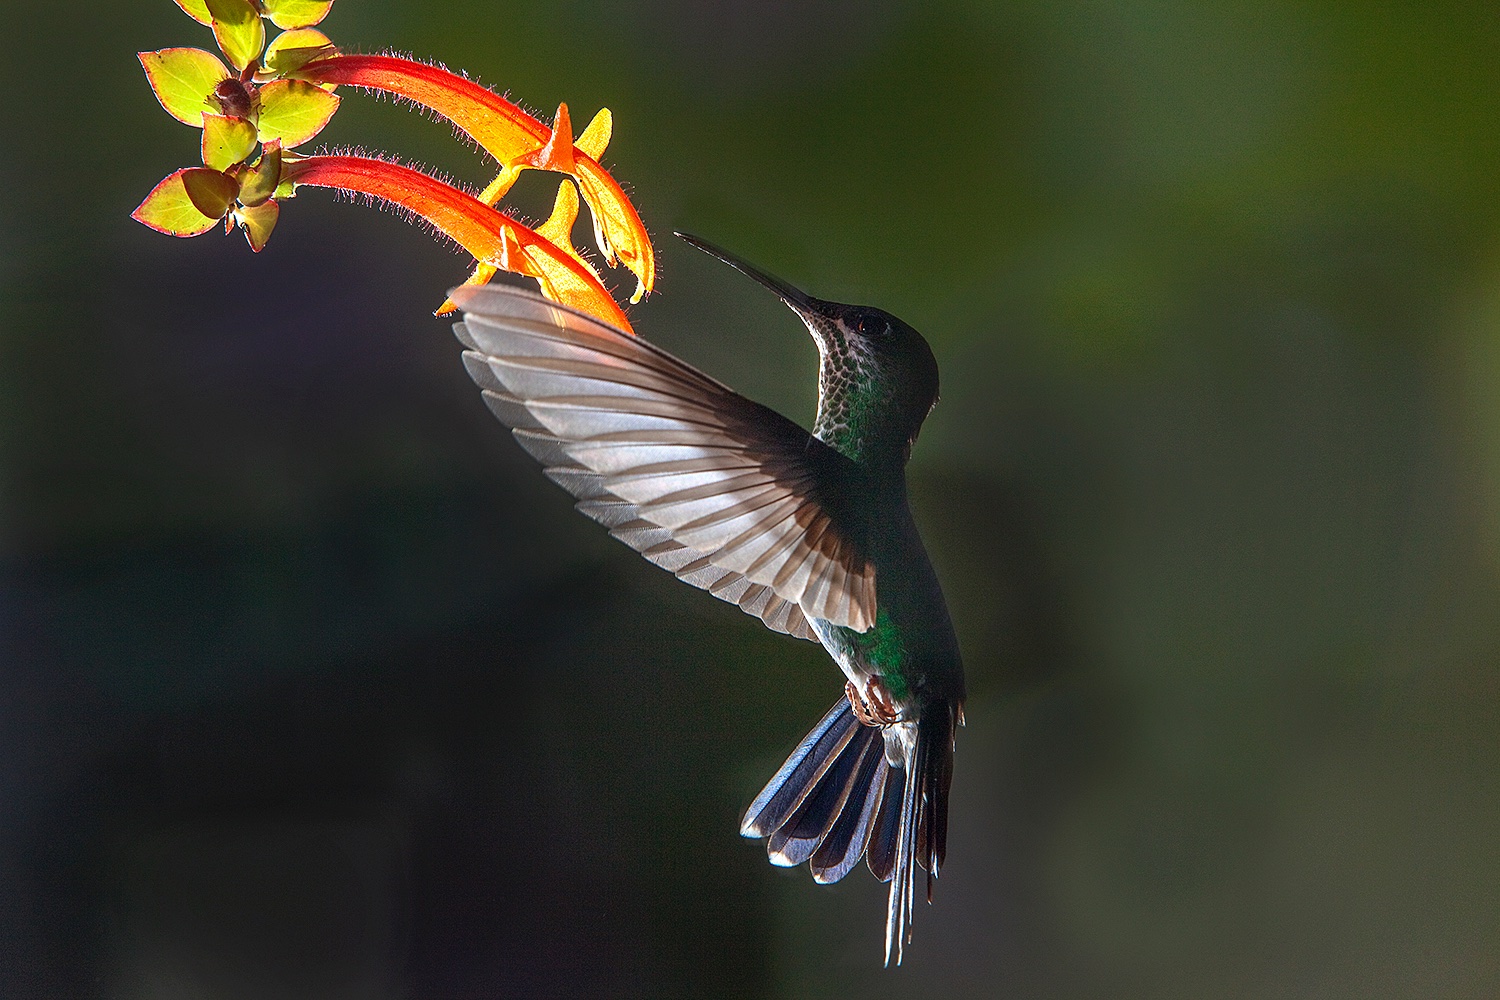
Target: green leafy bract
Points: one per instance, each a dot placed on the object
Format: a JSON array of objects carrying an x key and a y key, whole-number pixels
[
  {"x": 187, "y": 202},
  {"x": 195, "y": 9},
  {"x": 258, "y": 221},
  {"x": 240, "y": 31},
  {"x": 259, "y": 182},
  {"x": 293, "y": 111},
  {"x": 296, "y": 13},
  {"x": 226, "y": 141},
  {"x": 291, "y": 50},
  {"x": 182, "y": 80}
]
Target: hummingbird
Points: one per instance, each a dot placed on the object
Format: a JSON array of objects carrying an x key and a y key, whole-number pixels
[{"x": 809, "y": 531}]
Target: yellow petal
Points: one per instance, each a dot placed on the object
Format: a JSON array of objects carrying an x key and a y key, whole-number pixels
[
  {"x": 595, "y": 138},
  {"x": 500, "y": 186},
  {"x": 558, "y": 229},
  {"x": 481, "y": 274}
]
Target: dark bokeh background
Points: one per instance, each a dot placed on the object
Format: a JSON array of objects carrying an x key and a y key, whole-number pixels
[{"x": 313, "y": 687}]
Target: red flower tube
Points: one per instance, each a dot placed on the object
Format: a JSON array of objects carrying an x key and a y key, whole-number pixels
[
  {"x": 509, "y": 134},
  {"x": 483, "y": 231}
]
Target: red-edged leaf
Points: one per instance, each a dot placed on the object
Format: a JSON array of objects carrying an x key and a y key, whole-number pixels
[
  {"x": 226, "y": 141},
  {"x": 259, "y": 182},
  {"x": 258, "y": 221},
  {"x": 184, "y": 203},
  {"x": 212, "y": 193},
  {"x": 296, "y": 13},
  {"x": 294, "y": 111},
  {"x": 195, "y": 9},
  {"x": 291, "y": 50},
  {"x": 240, "y": 31},
  {"x": 182, "y": 80}
]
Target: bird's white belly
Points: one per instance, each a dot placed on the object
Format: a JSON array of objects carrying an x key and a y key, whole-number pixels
[{"x": 901, "y": 736}]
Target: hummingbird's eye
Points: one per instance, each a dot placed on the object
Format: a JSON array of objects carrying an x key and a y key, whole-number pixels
[{"x": 870, "y": 326}]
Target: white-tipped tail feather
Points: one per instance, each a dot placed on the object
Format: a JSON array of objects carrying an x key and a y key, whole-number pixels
[{"x": 839, "y": 798}]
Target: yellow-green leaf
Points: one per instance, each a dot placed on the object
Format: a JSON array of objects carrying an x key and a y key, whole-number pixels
[
  {"x": 186, "y": 203},
  {"x": 226, "y": 141},
  {"x": 258, "y": 221},
  {"x": 212, "y": 193},
  {"x": 296, "y": 13},
  {"x": 291, "y": 50},
  {"x": 196, "y": 9},
  {"x": 240, "y": 31},
  {"x": 260, "y": 181},
  {"x": 294, "y": 111},
  {"x": 182, "y": 80}
]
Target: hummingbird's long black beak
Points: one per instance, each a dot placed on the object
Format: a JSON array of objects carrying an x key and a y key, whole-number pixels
[{"x": 799, "y": 301}]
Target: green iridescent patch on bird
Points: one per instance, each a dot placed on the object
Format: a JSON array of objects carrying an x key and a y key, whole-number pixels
[{"x": 884, "y": 649}]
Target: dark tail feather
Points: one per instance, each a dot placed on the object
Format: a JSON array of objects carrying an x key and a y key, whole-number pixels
[
  {"x": 811, "y": 796},
  {"x": 887, "y": 824},
  {"x": 807, "y": 828},
  {"x": 800, "y": 774},
  {"x": 845, "y": 843},
  {"x": 916, "y": 830},
  {"x": 837, "y": 799}
]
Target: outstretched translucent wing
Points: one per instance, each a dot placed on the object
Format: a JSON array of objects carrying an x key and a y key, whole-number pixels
[{"x": 730, "y": 496}]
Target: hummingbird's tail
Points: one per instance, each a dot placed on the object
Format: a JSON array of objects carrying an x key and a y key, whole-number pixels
[
  {"x": 838, "y": 798},
  {"x": 911, "y": 827}
]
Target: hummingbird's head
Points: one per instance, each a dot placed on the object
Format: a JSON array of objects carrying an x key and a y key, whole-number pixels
[{"x": 877, "y": 378}]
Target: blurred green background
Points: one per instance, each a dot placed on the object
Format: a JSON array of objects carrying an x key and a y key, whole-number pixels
[{"x": 313, "y": 687}]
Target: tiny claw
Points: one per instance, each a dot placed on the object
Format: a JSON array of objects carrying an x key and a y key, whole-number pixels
[{"x": 879, "y": 711}]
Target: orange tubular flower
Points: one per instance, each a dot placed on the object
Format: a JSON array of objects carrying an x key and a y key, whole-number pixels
[
  {"x": 489, "y": 235},
  {"x": 510, "y": 135},
  {"x": 276, "y": 94}
]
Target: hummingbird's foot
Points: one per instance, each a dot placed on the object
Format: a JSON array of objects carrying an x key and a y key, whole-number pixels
[{"x": 875, "y": 708}]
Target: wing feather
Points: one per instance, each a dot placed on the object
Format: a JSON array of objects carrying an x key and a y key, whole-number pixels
[{"x": 726, "y": 494}]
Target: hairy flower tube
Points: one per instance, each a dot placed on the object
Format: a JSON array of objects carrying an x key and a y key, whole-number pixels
[{"x": 274, "y": 97}]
